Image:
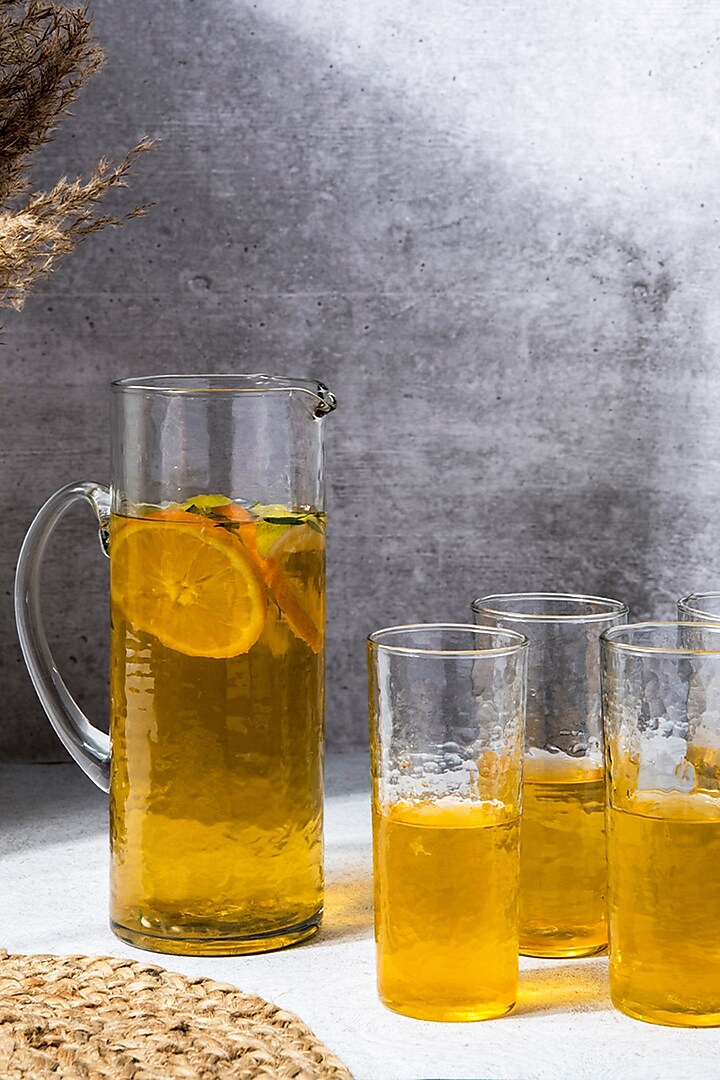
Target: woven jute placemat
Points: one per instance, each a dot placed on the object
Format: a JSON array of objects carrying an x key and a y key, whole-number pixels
[{"x": 89, "y": 1017}]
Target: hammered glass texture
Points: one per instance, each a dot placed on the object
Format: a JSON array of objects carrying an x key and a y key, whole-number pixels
[{"x": 439, "y": 699}]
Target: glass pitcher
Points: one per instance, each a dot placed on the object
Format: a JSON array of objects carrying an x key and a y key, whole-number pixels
[{"x": 215, "y": 528}]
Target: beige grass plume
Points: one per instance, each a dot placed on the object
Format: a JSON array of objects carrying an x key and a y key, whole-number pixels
[{"x": 47, "y": 53}]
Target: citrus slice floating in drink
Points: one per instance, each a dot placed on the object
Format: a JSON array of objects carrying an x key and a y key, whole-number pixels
[
  {"x": 300, "y": 596},
  {"x": 274, "y": 546},
  {"x": 189, "y": 583}
]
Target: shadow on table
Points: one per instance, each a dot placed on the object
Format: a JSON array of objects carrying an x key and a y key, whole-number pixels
[
  {"x": 44, "y": 804},
  {"x": 578, "y": 985},
  {"x": 348, "y": 908}
]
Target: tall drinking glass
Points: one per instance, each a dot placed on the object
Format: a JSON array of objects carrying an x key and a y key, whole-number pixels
[
  {"x": 446, "y": 726},
  {"x": 563, "y": 872},
  {"x": 661, "y": 701},
  {"x": 215, "y": 528}
]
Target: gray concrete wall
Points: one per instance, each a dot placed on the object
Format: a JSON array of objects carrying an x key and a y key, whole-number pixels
[{"x": 491, "y": 227}]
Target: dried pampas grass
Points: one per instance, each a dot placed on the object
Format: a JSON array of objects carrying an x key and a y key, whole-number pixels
[{"x": 47, "y": 53}]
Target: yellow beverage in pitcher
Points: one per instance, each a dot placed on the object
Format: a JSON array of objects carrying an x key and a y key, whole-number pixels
[
  {"x": 446, "y": 883},
  {"x": 216, "y": 726},
  {"x": 563, "y": 869},
  {"x": 664, "y": 907}
]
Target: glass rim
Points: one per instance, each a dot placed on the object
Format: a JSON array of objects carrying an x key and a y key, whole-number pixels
[
  {"x": 606, "y": 638},
  {"x": 517, "y": 641},
  {"x": 613, "y": 607},
  {"x": 224, "y": 383},
  {"x": 688, "y": 603}
]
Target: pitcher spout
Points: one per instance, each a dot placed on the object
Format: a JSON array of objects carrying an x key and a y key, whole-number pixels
[{"x": 327, "y": 402}]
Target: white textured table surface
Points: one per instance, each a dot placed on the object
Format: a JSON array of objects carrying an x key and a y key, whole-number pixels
[{"x": 53, "y": 898}]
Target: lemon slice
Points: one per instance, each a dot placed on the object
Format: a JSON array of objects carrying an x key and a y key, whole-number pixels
[
  {"x": 267, "y": 534},
  {"x": 205, "y": 504},
  {"x": 189, "y": 584}
]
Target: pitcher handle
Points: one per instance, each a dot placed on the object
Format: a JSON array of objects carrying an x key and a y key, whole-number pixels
[{"x": 88, "y": 745}]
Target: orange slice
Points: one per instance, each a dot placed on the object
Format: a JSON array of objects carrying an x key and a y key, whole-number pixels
[
  {"x": 300, "y": 599},
  {"x": 189, "y": 583},
  {"x": 301, "y": 596}
]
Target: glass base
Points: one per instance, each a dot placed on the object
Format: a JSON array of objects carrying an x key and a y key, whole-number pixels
[
  {"x": 562, "y": 952},
  {"x": 666, "y": 1017},
  {"x": 559, "y": 945},
  {"x": 225, "y": 945},
  {"x": 448, "y": 1014}
]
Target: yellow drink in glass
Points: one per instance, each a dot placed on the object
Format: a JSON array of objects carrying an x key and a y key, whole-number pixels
[
  {"x": 563, "y": 869},
  {"x": 216, "y": 726},
  {"x": 664, "y": 907},
  {"x": 446, "y": 882}
]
